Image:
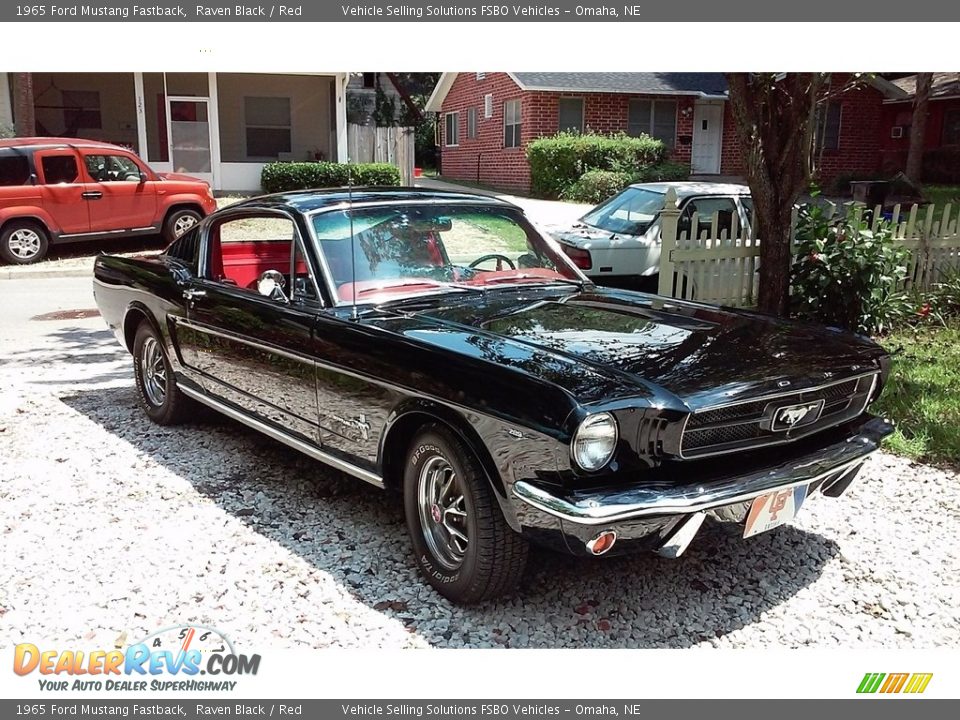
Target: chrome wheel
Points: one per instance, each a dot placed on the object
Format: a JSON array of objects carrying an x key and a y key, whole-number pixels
[
  {"x": 153, "y": 372},
  {"x": 24, "y": 244},
  {"x": 184, "y": 223},
  {"x": 443, "y": 514}
]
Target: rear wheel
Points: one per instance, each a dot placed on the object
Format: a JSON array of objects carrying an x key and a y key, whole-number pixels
[
  {"x": 160, "y": 398},
  {"x": 461, "y": 541},
  {"x": 23, "y": 242},
  {"x": 178, "y": 222}
]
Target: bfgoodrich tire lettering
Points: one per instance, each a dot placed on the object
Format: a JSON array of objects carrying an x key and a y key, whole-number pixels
[
  {"x": 157, "y": 389},
  {"x": 461, "y": 542}
]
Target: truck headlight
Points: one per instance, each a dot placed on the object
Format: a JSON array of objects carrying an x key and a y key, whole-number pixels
[{"x": 594, "y": 441}]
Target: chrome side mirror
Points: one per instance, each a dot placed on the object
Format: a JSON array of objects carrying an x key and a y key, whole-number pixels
[{"x": 271, "y": 284}]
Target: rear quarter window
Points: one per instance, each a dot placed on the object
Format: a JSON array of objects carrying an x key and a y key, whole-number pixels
[
  {"x": 59, "y": 169},
  {"x": 14, "y": 170},
  {"x": 186, "y": 250}
]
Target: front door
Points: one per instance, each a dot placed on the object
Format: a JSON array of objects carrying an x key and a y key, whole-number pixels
[
  {"x": 189, "y": 137},
  {"x": 255, "y": 350},
  {"x": 127, "y": 200},
  {"x": 64, "y": 191},
  {"x": 707, "y": 129}
]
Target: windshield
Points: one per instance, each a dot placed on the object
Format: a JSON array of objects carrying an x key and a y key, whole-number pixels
[
  {"x": 425, "y": 248},
  {"x": 629, "y": 212}
]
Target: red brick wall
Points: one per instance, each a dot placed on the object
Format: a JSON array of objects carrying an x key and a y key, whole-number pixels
[{"x": 485, "y": 160}]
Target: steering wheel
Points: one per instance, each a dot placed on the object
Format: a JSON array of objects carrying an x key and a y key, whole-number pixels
[{"x": 494, "y": 256}]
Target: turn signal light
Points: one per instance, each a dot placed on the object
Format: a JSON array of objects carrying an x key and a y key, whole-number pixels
[
  {"x": 581, "y": 258},
  {"x": 602, "y": 542}
]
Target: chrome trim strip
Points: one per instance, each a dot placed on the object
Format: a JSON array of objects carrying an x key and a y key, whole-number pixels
[
  {"x": 201, "y": 327},
  {"x": 785, "y": 393},
  {"x": 558, "y": 507},
  {"x": 283, "y": 437}
]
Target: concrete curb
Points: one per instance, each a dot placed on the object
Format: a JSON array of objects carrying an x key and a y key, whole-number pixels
[{"x": 45, "y": 273}]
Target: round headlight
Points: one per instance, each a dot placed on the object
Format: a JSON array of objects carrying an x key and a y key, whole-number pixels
[{"x": 594, "y": 441}]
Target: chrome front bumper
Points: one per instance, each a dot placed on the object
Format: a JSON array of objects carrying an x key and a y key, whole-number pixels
[{"x": 647, "y": 500}]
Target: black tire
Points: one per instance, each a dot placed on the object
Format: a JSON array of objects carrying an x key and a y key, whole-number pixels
[
  {"x": 495, "y": 556},
  {"x": 178, "y": 222},
  {"x": 23, "y": 242},
  {"x": 173, "y": 407}
]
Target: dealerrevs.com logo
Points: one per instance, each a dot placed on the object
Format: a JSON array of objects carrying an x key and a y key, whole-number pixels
[
  {"x": 173, "y": 658},
  {"x": 894, "y": 683}
]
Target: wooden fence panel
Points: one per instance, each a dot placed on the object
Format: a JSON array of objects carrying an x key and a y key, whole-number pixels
[{"x": 393, "y": 145}]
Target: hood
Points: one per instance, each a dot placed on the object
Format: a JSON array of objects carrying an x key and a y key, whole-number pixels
[
  {"x": 180, "y": 177},
  {"x": 669, "y": 352},
  {"x": 581, "y": 234}
]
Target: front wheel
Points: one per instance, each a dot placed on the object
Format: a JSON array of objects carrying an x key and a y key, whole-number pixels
[
  {"x": 178, "y": 222},
  {"x": 23, "y": 242},
  {"x": 160, "y": 398},
  {"x": 461, "y": 541}
]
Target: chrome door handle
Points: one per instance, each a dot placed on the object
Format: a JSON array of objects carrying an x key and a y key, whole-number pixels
[
  {"x": 192, "y": 294},
  {"x": 91, "y": 195}
]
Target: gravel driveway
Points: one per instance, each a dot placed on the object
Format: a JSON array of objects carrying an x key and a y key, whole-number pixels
[{"x": 110, "y": 524}]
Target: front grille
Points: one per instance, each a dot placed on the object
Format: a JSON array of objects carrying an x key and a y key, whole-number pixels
[{"x": 746, "y": 425}]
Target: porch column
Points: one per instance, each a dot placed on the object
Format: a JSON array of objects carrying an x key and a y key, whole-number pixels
[
  {"x": 341, "y": 80},
  {"x": 141, "y": 116},
  {"x": 213, "y": 111}
]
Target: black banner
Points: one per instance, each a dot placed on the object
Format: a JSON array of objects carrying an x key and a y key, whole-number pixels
[{"x": 464, "y": 10}]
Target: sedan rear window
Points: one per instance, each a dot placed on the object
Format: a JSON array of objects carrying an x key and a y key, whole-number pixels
[{"x": 630, "y": 212}]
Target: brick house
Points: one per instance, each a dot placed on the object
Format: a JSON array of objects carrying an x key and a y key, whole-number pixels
[
  {"x": 487, "y": 120},
  {"x": 941, "y": 142}
]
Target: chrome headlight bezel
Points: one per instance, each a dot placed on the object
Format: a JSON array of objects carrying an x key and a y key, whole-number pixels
[{"x": 596, "y": 429}]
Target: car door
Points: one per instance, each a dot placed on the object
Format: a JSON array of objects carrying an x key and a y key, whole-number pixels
[
  {"x": 122, "y": 193},
  {"x": 252, "y": 350},
  {"x": 63, "y": 192}
]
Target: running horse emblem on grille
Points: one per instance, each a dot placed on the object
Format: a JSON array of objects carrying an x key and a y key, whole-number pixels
[{"x": 791, "y": 416}]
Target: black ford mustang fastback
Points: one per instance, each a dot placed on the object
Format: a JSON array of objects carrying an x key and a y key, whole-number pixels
[{"x": 438, "y": 344}]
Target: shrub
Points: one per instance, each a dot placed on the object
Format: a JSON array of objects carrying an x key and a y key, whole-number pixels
[
  {"x": 847, "y": 275},
  {"x": 558, "y": 162},
  {"x": 284, "y": 176},
  {"x": 596, "y": 186},
  {"x": 663, "y": 172}
]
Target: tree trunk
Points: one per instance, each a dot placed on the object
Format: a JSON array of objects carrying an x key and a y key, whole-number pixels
[
  {"x": 24, "y": 119},
  {"x": 774, "y": 122},
  {"x": 918, "y": 126}
]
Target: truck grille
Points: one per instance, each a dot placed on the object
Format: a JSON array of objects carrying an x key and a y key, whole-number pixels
[{"x": 746, "y": 425}]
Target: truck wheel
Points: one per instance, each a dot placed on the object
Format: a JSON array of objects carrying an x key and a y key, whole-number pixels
[
  {"x": 157, "y": 389},
  {"x": 462, "y": 543},
  {"x": 178, "y": 222},
  {"x": 23, "y": 242}
]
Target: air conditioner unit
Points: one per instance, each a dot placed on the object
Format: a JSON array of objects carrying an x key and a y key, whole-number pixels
[{"x": 896, "y": 131}]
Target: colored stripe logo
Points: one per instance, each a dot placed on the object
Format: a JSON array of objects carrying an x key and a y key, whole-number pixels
[{"x": 911, "y": 683}]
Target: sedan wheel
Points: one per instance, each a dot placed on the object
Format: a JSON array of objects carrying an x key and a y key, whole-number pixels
[
  {"x": 461, "y": 540},
  {"x": 154, "y": 372},
  {"x": 23, "y": 242}
]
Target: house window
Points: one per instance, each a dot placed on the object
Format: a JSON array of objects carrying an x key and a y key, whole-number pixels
[
  {"x": 451, "y": 129},
  {"x": 828, "y": 126},
  {"x": 369, "y": 81},
  {"x": 511, "y": 123},
  {"x": 81, "y": 109},
  {"x": 472, "y": 123},
  {"x": 656, "y": 118},
  {"x": 267, "y": 125},
  {"x": 488, "y": 106},
  {"x": 570, "y": 112},
  {"x": 951, "y": 127}
]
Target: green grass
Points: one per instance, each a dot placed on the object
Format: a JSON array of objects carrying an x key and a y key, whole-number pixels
[
  {"x": 503, "y": 228},
  {"x": 942, "y": 194},
  {"x": 923, "y": 393}
]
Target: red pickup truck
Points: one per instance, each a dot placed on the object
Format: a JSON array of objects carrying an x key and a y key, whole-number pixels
[{"x": 58, "y": 190}]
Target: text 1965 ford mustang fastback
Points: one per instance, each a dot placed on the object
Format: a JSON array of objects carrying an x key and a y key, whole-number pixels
[{"x": 436, "y": 343}]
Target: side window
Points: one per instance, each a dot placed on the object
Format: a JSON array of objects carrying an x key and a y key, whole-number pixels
[
  {"x": 14, "y": 170},
  {"x": 247, "y": 249},
  {"x": 59, "y": 169},
  {"x": 703, "y": 209},
  {"x": 304, "y": 282},
  {"x": 112, "y": 168}
]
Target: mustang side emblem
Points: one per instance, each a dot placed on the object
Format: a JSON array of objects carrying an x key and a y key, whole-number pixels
[{"x": 780, "y": 418}]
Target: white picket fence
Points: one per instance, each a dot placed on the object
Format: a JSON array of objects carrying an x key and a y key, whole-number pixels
[{"x": 718, "y": 263}]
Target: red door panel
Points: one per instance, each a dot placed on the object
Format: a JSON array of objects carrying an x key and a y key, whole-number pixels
[
  {"x": 124, "y": 202},
  {"x": 62, "y": 188}
]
